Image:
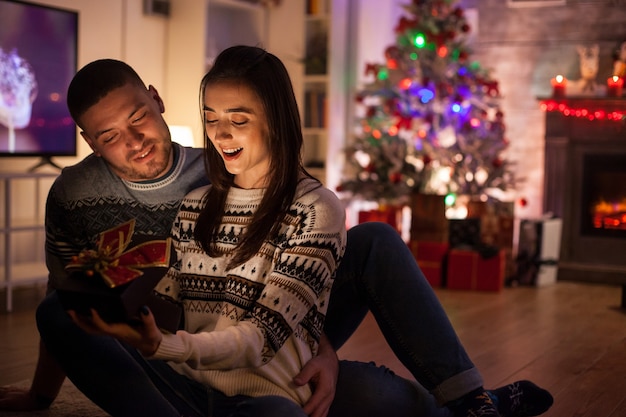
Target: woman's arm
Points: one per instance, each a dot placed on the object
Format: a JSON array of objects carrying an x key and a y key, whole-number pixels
[{"x": 284, "y": 287}]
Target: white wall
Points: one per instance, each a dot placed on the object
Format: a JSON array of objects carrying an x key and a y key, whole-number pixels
[
  {"x": 184, "y": 64},
  {"x": 375, "y": 24}
]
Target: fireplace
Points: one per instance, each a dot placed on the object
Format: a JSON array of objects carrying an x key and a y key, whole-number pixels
[
  {"x": 585, "y": 185},
  {"x": 604, "y": 196}
]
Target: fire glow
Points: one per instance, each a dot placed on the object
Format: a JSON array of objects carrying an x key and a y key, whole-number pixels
[{"x": 609, "y": 215}]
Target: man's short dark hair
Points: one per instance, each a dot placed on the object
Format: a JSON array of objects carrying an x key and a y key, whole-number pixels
[{"x": 94, "y": 81}]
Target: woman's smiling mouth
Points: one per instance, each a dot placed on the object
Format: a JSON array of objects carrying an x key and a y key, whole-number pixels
[{"x": 231, "y": 153}]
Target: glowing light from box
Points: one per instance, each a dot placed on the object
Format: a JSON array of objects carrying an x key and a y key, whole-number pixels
[{"x": 182, "y": 135}]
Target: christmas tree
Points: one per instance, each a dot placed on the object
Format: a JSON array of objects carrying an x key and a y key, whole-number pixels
[{"x": 429, "y": 120}]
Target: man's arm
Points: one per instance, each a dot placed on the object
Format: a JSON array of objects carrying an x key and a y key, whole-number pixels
[
  {"x": 44, "y": 389},
  {"x": 321, "y": 372},
  {"x": 60, "y": 239}
]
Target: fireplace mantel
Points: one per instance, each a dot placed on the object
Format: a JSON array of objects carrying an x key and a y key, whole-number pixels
[{"x": 582, "y": 126}]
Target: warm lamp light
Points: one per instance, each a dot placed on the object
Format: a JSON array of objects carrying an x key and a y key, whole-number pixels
[
  {"x": 182, "y": 135},
  {"x": 558, "y": 86}
]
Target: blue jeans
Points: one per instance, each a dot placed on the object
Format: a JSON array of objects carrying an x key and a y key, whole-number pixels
[
  {"x": 123, "y": 383},
  {"x": 378, "y": 273}
]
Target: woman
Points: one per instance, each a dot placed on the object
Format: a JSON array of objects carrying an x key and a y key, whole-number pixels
[
  {"x": 256, "y": 251},
  {"x": 266, "y": 235}
]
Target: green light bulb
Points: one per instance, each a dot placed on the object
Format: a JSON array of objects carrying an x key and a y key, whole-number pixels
[{"x": 420, "y": 40}]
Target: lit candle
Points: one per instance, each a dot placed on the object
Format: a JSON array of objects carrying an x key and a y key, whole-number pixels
[
  {"x": 558, "y": 86},
  {"x": 614, "y": 85}
]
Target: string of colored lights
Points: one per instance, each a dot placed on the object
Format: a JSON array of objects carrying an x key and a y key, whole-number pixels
[{"x": 582, "y": 112}]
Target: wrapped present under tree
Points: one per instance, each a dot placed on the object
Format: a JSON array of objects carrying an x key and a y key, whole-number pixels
[
  {"x": 430, "y": 257},
  {"x": 428, "y": 218},
  {"x": 392, "y": 215},
  {"x": 473, "y": 270}
]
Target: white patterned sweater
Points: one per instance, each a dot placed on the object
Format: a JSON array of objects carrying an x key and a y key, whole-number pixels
[{"x": 249, "y": 330}]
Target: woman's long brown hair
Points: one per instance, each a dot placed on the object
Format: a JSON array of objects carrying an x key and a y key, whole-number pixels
[{"x": 266, "y": 75}]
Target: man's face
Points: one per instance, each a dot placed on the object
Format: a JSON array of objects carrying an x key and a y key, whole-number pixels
[{"x": 127, "y": 130}]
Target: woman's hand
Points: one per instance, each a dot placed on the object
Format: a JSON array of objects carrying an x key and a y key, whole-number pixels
[{"x": 143, "y": 334}]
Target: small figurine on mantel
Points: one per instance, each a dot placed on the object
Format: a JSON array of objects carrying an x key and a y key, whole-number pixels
[
  {"x": 589, "y": 59},
  {"x": 619, "y": 66}
]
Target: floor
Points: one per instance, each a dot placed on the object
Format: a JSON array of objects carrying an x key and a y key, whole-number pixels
[{"x": 569, "y": 338}]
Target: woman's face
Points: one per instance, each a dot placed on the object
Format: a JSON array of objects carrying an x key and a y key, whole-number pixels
[{"x": 236, "y": 124}]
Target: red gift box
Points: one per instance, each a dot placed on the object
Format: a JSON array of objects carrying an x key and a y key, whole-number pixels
[
  {"x": 428, "y": 218},
  {"x": 392, "y": 215},
  {"x": 468, "y": 270},
  {"x": 430, "y": 257}
]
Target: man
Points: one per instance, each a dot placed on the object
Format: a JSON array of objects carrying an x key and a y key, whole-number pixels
[{"x": 135, "y": 172}]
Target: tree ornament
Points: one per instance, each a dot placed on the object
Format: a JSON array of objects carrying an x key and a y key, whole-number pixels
[{"x": 371, "y": 69}]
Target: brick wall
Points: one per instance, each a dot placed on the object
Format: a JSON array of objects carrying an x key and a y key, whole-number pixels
[{"x": 527, "y": 46}]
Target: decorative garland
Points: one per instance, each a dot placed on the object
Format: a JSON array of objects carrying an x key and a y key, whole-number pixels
[{"x": 582, "y": 112}]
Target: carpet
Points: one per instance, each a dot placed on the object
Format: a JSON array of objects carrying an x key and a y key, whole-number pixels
[{"x": 70, "y": 403}]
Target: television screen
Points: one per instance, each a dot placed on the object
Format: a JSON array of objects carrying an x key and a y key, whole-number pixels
[{"x": 38, "y": 52}]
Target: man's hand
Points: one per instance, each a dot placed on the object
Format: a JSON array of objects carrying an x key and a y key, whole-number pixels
[
  {"x": 18, "y": 399},
  {"x": 321, "y": 372},
  {"x": 143, "y": 334},
  {"x": 46, "y": 385}
]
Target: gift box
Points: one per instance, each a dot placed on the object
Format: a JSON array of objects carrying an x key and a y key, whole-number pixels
[
  {"x": 497, "y": 222},
  {"x": 538, "y": 251},
  {"x": 118, "y": 278},
  {"x": 428, "y": 218},
  {"x": 464, "y": 232},
  {"x": 477, "y": 208},
  {"x": 430, "y": 257},
  {"x": 497, "y": 227},
  {"x": 497, "y": 231},
  {"x": 392, "y": 215},
  {"x": 473, "y": 270}
]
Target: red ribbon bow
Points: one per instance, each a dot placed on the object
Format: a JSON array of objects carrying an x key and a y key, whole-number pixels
[{"x": 116, "y": 265}]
